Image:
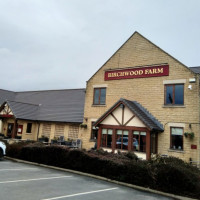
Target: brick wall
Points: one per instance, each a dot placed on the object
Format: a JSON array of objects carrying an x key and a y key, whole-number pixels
[{"x": 149, "y": 92}]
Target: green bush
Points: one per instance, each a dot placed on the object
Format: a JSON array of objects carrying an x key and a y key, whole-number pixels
[
  {"x": 14, "y": 149},
  {"x": 177, "y": 179}
]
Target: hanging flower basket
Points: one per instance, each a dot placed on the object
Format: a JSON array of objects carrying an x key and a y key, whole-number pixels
[
  {"x": 83, "y": 125},
  {"x": 189, "y": 135}
]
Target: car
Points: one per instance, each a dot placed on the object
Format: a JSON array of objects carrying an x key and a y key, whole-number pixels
[
  {"x": 125, "y": 142},
  {"x": 2, "y": 149}
]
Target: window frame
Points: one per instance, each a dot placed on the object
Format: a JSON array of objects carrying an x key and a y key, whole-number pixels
[
  {"x": 106, "y": 139},
  {"x": 92, "y": 135},
  {"x": 173, "y": 98},
  {"x": 171, "y": 146},
  {"x": 122, "y": 136},
  {"x": 99, "y": 97},
  {"x": 27, "y": 128},
  {"x": 139, "y": 142}
]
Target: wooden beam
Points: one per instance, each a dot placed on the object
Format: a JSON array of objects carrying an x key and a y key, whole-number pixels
[
  {"x": 14, "y": 131},
  {"x": 113, "y": 140},
  {"x": 129, "y": 120},
  {"x": 99, "y": 138},
  {"x": 148, "y": 145},
  {"x": 115, "y": 119}
]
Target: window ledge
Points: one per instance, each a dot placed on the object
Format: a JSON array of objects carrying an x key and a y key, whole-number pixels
[
  {"x": 173, "y": 106},
  {"x": 98, "y": 105},
  {"x": 93, "y": 140},
  {"x": 176, "y": 151}
]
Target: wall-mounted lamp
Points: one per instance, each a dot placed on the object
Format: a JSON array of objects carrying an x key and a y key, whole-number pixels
[
  {"x": 190, "y": 87},
  {"x": 192, "y": 80}
]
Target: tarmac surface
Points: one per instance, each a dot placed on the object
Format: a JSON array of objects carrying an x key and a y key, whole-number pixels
[{"x": 20, "y": 181}]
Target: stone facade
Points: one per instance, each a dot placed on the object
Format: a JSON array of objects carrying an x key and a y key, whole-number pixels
[
  {"x": 51, "y": 130},
  {"x": 137, "y": 51}
]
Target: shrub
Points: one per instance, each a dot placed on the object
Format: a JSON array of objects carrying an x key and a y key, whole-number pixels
[
  {"x": 14, "y": 149},
  {"x": 177, "y": 179}
]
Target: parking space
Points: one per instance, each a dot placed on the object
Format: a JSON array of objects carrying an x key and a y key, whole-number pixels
[{"x": 23, "y": 181}]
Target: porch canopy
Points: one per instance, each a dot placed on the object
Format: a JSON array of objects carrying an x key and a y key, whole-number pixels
[{"x": 127, "y": 125}]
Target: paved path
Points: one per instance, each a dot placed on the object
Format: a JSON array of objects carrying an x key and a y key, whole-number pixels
[{"x": 19, "y": 181}]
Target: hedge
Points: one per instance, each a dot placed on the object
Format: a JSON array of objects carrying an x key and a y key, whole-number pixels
[{"x": 169, "y": 174}]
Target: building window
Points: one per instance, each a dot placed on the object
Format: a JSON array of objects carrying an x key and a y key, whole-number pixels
[
  {"x": 29, "y": 127},
  {"x": 10, "y": 129},
  {"x": 106, "y": 138},
  {"x": 122, "y": 139},
  {"x": 94, "y": 132},
  {"x": 176, "y": 138},
  {"x": 139, "y": 141},
  {"x": 174, "y": 94},
  {"x": 99, "y": 96}
]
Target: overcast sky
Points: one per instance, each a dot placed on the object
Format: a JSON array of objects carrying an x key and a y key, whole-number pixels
[{"x": 60, "y": 44}]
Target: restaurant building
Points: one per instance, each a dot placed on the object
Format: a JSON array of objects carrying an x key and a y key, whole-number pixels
[
  {"x": 48, "y": 114},
  {"x": 143, "y": 100}
]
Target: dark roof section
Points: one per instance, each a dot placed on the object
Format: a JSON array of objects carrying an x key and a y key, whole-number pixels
[
  {"x": 49, "y": 105},
  {"x": 6, "y": 95},
  {"x": 143, "y": 114},
  {"x": 24, "y": 110},
  {"x": 195, "y": 69}
]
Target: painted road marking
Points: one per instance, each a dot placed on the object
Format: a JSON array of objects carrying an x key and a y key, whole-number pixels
[
  {"x": 17, "y": 169},
  {"x": 38, "y": 179},
  {"x": 79, "y": 194}
]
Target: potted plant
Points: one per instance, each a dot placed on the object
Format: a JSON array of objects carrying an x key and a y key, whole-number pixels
[
  {"x": 54, "y": 140},
  {"x": 43, "y": 138},
  {"x": 189, "y": 135},
  {"x": 83, "y": 125}
]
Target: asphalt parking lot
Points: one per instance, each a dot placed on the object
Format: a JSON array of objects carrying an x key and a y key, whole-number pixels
[{"x": 19, "y": 181}]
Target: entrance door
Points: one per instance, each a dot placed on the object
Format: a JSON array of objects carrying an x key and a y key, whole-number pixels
[
  {"x": 10, "y": 129},
  {"x": 19, "y": 131}
]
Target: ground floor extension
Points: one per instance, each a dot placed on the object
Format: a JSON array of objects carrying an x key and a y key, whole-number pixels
[{"x": 31, "y": 130}]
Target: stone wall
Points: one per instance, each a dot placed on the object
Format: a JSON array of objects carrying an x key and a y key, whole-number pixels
[{"x": 149, "y": 92}]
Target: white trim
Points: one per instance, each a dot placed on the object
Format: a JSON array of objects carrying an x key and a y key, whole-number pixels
[
  {"x": 82, "y": 193},
  {"x": 174, "y": 81},
  {"x": 100, "y": 86},
  {"x": 181, "y": 125},
  {"x": 38, "y": 179},
  {"x": 16, "y": 169},
  {"x": 93, "y": 119}
]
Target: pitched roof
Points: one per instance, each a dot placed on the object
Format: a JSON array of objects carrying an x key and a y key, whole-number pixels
[
  {"x": 143, "y": 114},
  {"x": 195, "y": 69},
  {"x": 23, "y": 110},
  {"x": 48, "y": 105},
  {"x": 5, "y": 94}
]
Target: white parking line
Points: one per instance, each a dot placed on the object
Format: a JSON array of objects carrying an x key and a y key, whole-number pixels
[
  {"x": 83, "y": 193},
  {"x": 16, "y": 169},
  {"x": 38, "y": 179}
]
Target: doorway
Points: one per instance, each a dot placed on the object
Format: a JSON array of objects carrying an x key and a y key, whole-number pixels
[{"x": 10, "y": 130}]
